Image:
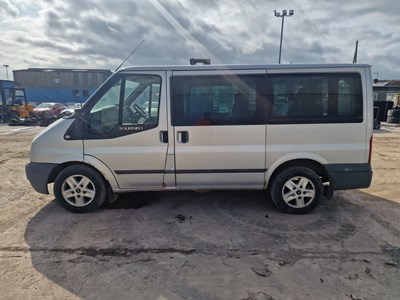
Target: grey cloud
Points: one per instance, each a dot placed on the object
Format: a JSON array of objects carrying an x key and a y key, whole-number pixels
[
  {"x": 41, "y": 43},
  {"x": 102, "y": 33},
  {"x": 6, "y": 8}
]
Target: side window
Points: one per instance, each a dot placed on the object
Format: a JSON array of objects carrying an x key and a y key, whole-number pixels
[
  {"x": 104, "y": 114},
  {"x": 8, "y": 95},
  {"x": 218, "y": 100},
  {"x": 316, "y": 98},
  {"x": 141, "y": 102},
  {"x": 130, "y": 105}
]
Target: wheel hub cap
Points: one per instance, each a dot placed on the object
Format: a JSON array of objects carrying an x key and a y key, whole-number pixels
[
  {"x": 298, "y": 192},
  {"x": 78, "y": 190}
]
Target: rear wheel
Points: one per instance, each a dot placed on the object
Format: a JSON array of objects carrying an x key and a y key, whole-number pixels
[
  {"x": 393, "y": 115},
  {"x": 80, "y": 188},
  {"x": 296, "y": 190},
  {"x": 14, "y": 117}
]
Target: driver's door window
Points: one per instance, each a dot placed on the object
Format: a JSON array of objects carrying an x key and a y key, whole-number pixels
[
  {"x": 130, "y": 105},
  {"x": 104, "y": 114},
  {"x": 144, "y": 107}
]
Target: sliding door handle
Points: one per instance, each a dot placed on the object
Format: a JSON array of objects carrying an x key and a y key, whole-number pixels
[{"x": 183, "y": 137}]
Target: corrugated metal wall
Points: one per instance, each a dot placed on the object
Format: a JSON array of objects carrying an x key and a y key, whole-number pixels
[
  {"x": 57, "y": 78},
  {"x": 60, "y": 85}
]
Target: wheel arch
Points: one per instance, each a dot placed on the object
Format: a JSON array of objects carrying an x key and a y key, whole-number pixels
[
  {"x": 312, "y": 164},
  {"x": 107, "y": 176}
]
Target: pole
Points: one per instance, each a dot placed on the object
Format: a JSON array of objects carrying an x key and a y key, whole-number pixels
[
  {"x": 282, "y": 15},
  {"x": 6, "y": 66},
  {"x": 280, "y": 46}
]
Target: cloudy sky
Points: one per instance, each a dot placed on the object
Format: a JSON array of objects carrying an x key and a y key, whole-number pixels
[{"x": 102, "y": 33}]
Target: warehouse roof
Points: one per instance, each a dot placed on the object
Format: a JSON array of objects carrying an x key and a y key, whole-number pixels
[{"x": 62, "y": 70}]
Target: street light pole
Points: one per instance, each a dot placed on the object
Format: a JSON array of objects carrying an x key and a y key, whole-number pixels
[
  {"x": 282, "y": 15},
  {"x": 6, "y": 66}
]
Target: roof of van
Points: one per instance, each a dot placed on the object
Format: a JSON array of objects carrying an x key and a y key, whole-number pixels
[{"x": 239, "y": 67}]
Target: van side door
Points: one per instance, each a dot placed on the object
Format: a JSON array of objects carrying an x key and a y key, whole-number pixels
[
  {"x": 127, "y": 129},
  {"x": 219, "y": 138}
]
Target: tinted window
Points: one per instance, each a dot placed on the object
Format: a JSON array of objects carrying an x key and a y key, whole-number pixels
[
  {"x": 316, "y": 98},
  {"x": 8, "y": 96},
  {"x": 218, "y": 100},
  {"x": 130, "y": 105}
]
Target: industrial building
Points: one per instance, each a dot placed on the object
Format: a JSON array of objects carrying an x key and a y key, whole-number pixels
[
  {"x": 386, "y": 96},
  {"x": 59, "y": 85},
  {"x": 386, "y": 90}
]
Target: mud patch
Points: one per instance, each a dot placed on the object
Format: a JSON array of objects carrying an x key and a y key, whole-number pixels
[
  {"x": 259, "y": 296},
  {"x": 394, "y": 254},
  {"x": 261, "y": 271},
  {"x": 181, "y": 218}
]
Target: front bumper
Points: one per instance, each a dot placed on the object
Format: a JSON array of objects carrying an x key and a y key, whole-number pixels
[{"x": 38, "y": 175}]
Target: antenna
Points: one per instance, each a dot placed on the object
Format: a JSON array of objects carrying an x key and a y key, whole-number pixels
[
  {"x": 137, "y": 47},
  {"x": 355, "y": 53}
]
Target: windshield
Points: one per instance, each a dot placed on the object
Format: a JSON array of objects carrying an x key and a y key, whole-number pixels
[{"x": 45, "y": 105}]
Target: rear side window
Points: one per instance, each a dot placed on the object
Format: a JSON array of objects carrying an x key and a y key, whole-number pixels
[
  {"x": 316, "y": 98},
  {"x": 218, "y": 100}
]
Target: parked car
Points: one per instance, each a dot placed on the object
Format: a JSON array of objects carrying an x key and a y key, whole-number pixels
[
  {"x": 70, "y": 110},
  {"x": 49, "y": 109}
]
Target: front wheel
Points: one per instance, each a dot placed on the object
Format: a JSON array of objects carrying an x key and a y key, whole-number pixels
[
  {"x": 296, "y": 190},
  {"x": 79, "y": 188}
]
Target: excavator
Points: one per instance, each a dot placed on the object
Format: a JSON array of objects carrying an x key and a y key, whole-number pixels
[{"x": 14, "y": 108}]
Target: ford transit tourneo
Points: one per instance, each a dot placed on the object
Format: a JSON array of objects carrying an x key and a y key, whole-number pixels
[{"x": 296, "y": 131}]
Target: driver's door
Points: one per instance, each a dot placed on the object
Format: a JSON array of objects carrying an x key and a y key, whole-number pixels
[{"x": 127, "y": 130}]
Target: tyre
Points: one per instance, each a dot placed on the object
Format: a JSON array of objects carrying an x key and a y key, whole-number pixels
[
  {"x": 296, "y": 190},
  {"x": 79, "y": 188},
  {"x": 394, "y": 113},
  {"x": 394, "y": 120},
  {"x": 14, "y": 117}
]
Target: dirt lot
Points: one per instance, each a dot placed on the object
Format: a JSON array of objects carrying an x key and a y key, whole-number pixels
[{"x": 217, "y": 245}]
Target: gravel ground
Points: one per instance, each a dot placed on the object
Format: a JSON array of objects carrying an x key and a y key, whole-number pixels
[{"x": 187, "y": 245}]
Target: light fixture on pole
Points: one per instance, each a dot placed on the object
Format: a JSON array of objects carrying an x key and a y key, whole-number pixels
[
  {"x": 282, "y": 15},
  {"x": 6, "y": 66}
]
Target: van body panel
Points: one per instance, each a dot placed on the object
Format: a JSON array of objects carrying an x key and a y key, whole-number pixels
[
  {"x": 104, "y": 170},
  {"x": 221, "y": 156},
  {"x": 141, "y": 166},
  {"x": 328, "y": 143},
  {"x": 50, "y": 145},
  {"x": 323, "y": 142},
  {"x": 369, "y": 110},
  {"x": 223, "y": 69},
  {"x": 137, "y": 160}
]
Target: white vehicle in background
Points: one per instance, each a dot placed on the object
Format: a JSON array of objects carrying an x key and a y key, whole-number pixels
[
  {"x": 70, "y": 110},
  {"x": 296, "y": 131}
]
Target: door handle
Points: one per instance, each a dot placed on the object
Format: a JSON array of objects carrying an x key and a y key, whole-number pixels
[
  {"x": 183, "y": 137},
  {"x": 164, "y": 137}
]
